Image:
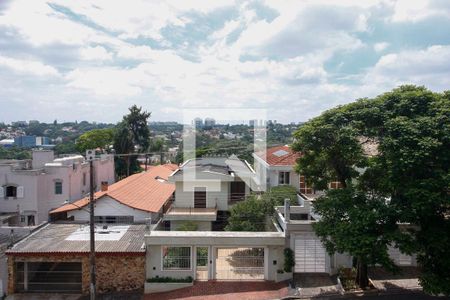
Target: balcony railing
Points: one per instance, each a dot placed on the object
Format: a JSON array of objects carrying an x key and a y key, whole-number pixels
[{"x": 236, "y": 197}]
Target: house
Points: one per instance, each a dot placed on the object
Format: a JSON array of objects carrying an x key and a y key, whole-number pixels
[
  {"x": 309, "y": 253},
  {"x": 275, "y": 166},
  {"x": 135, "y": 199},
  {"x": 55, "y": 258},
  {"x": 205, "y": 188},
  {"x": 29, "y": 189}
]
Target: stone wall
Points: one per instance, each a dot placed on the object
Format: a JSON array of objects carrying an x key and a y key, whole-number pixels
[
  {"x": 120, "y": 273},
  {"x": 114, "y": 273}
]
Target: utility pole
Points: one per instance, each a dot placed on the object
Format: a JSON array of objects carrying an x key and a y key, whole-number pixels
[{"x": 90, "y": 155}]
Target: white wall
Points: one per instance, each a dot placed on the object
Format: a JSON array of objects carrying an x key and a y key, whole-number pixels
[
  {"x": 216, "y": 193},
  {"x": 106, "y": 206}
]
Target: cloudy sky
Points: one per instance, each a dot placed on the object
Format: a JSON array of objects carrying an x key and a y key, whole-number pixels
[{"x": 90, "y": 60}]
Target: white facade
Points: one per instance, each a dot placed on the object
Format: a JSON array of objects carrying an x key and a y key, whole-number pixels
[
  {"x": 33, "y": 188},
  {"x": 108, "y": 207},
  {"x": 271, "y": 174}
]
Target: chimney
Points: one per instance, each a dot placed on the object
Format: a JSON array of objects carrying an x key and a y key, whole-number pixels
[{"x": 104, "y": 186}]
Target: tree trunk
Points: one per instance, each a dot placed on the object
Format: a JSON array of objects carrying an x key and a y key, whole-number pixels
[{"x": 362, "y": 278}]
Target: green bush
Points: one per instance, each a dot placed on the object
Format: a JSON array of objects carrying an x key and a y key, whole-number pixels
[
  {"x": 170, "y": 279},
  {"x": 188, "y": 226},
  {"x": 289, "y": 261}
]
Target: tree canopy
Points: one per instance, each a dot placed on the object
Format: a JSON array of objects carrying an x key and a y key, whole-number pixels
[
  {"x": 96, "y": 138},
  {"x": 406, "y": 180},
  {"x": 132, "y": 134}
]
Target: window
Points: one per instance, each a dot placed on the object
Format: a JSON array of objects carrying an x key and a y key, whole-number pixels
[
  {"x": 11, "y": 191},
  {"x": 114, "y": 219},
  {"x": 304, "y": 188},
  {"x": 200, "y": 198},
  {"x": 176, "y": 258},
  {"x": 284, "y": 178},
  {"x": 335, "y": 185},
  {"x": 84, "y": 178},
  {"x": 58, "y": 188}
]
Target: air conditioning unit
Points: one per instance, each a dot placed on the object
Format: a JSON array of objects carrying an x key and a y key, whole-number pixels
[{"x": 90, "y": 155}]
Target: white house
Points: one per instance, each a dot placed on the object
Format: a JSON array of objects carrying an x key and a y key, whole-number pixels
[
  {"x": 205, "y": 187},
  {"x": 29, "y": 189},
  {"x": 275, "y": 166},
  {"x": 136, "y": 199}
]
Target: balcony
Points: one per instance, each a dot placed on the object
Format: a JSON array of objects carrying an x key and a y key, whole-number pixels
[
  {"x": 235, "y": 197},
  {"x": 191, "y": 214}
]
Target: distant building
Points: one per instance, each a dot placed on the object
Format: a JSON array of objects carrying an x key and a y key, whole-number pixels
[
  {"x": 29, "y": 189},
  {"x": 198, "y": 122},
  {"x": 7, "y": 143},
  {"x": 30, "y": 141},
  {"x": 19, "y": 123},
  {"x": 33, "y": 122},
  {"x": 210, "y": 122}
]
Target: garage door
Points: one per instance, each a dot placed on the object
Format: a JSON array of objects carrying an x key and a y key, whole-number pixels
[
  {"x": 239, "y": 264},
  {"x": 309, "y": 255},
  {"x": 48, "y": 277}
]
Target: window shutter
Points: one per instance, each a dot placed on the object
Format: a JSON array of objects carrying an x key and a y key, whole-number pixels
[
  {"x": 20, "y": 192},
  {"x": 2, "y": 192}
]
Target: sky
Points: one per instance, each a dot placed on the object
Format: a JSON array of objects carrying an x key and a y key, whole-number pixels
[{"x": 91, "y": 60}]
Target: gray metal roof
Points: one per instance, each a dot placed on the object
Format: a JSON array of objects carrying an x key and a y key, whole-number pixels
[{"x": 74, "y": 238}]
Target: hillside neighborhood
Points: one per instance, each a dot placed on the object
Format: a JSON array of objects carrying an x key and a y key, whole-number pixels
[
  {"x": 214, "y": 218},
  {"x": 224, "y": 150}
]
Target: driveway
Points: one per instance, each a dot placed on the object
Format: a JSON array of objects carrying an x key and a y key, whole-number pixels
[
  {"x": 313, "y": 285},
  {"x": 226, "y": 290},
  {"x": 407, "y": 279}
]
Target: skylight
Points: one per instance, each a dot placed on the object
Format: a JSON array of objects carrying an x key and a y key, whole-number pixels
[{"x": 280, "y": 153}]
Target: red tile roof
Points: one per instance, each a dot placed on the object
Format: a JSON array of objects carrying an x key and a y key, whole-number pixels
[
  {"x": 141, "y": 191},
  {"x": 279, "y": 156}
]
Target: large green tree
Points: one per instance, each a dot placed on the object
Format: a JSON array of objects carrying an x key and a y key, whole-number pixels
[
  {"x": 332, "y": 151},
  {"x": 96, "y": 138},
  {"x": 406, "y": 180},
  {"x": 132, "y": 135}
]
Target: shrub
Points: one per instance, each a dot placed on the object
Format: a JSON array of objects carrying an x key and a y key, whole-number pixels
[
  {"x": 188, "y": 226},
  {"x": 289, "y": 261},
  {"x": 170, "y": 279}
]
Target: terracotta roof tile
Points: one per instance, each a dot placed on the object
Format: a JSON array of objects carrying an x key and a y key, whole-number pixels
[
  {"x": 147, "y": 191},
  {"x": 279, "y": 156}
]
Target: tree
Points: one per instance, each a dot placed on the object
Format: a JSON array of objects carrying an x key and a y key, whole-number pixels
[
  {"x": 331, "y": 151},
  {"x": 131, "y": 133},
  {"x": 248, "y": 215},
  {"x": 414, "y": 163},
  {"x": 137, "y": 121},
  {"x": 96, "y": 138},
  {"x": 407, "y": 181}
]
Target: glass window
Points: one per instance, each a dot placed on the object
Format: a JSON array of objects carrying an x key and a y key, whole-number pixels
[
  {"x": 58, "y": 188},
  {"x": 284, "y": 178},
  {"x": 176, "y": 258},
  {"x": 11, "y": 191}
]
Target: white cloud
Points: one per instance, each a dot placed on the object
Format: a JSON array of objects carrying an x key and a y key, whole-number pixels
[
  {"x": 427, "y": 67},
  {"x": 95, "y": 53},
  {"x": 378, "y": 47},
  {"x": 31, "y": 67},
  {"x": 416, "y": 10}
]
